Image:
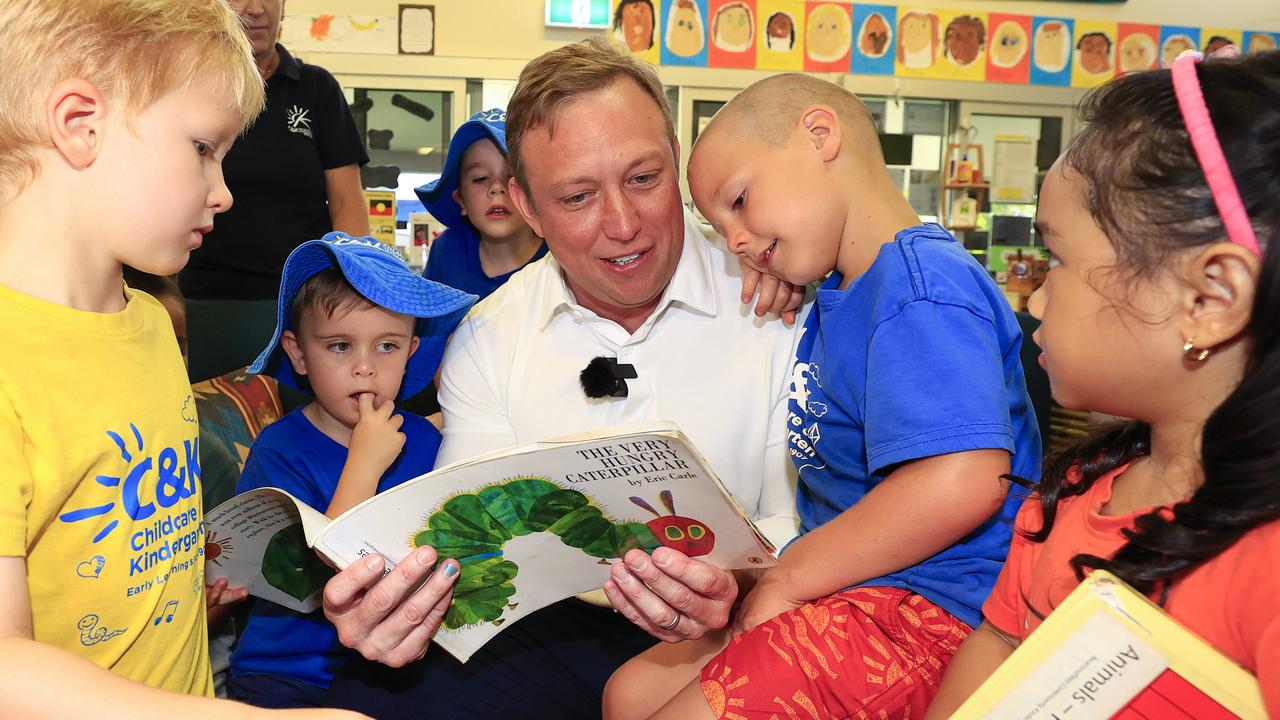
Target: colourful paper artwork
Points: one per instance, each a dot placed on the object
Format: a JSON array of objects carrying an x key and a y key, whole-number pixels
[
  {"x": 635, "y": 27},
  {"x": 1094, "y": 58},
  {"x": 780, "y": 33},
  {"x": 1051, "y": 51},
  {"x": 1212, "y": 39},
  {"x": 733, "y": 34},
  {"x": 964, "y": 46},
  {"x": 1009, "y": 49},
  {"x": 1136, "y": 48},
  {"x": 1176, "y": 40},
  {"x": 875, "y": 43},
  {"x": 919, "y": 42},
  {"x": 828, "y": 37},
  {"x": 684, "y": 33},
  {"x": 1256, "y": 42},
  {"x": 838, "y": 36}
]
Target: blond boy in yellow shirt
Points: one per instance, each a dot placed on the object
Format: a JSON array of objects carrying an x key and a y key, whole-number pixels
[{"x": 114, "y": 119}]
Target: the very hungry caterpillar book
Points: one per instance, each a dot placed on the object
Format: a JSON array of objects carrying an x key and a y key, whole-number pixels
[{"x": 529, "y": 526}]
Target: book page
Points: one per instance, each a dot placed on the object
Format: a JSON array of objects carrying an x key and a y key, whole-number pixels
[
  {"x": 259, "y": 540},
  {"x": 535, "y": 527}
]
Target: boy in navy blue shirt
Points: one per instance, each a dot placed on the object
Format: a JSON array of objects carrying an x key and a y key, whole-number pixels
[
  {"x": 908, "y": 408},
  {"x": 486, "y": 240},
  {"x": 357, "y": 329}
]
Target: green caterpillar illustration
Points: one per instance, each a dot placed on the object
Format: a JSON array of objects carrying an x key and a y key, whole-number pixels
[{"x": 474, "y": 527}]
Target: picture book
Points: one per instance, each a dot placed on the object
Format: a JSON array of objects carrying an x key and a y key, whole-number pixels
[
  {"x": 529, "y": 526},
  {"x": 1109, "y": 652}
]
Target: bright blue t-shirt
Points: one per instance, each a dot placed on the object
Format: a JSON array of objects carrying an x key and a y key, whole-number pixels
[
  {"x": 292, "y": 454},
  {"x": 454, "y": 260},
  {"x": 917, "y": 357}
]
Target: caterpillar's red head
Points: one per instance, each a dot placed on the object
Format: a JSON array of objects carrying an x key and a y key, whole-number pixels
[{"x": 689, "y": 536}]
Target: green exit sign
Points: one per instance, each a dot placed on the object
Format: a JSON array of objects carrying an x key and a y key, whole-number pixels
[{"x": 578, "y": 13}]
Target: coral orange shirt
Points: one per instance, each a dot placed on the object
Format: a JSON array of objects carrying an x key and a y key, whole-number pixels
[{"x": 1232, "y": 601}]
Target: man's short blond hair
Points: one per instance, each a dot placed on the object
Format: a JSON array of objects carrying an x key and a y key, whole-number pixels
[
  {"x": 133, "y": 51},
  {"x": 768, "y": 110},
  {"x": 555, "y": 78}
]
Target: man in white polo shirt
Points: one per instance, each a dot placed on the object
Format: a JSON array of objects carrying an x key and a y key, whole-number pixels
[{"x": 629, "y": 276}]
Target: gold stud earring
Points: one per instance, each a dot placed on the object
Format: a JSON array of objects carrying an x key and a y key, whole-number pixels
[{"x": 1193, "y": 353}]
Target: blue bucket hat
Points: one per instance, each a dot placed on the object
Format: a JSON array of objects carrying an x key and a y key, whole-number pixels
[
  {"x": 377, "y": 272},
  {"x": 437, "y": 195}
]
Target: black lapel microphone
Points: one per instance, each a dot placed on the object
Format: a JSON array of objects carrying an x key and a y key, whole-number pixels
[{"x": 606, "y": 377}]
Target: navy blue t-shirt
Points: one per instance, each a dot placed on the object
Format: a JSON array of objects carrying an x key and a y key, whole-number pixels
[
  {"x": 292, "y": 454},
  {"x": 917, "y": 357},
  {"x": 454, "y": 260}
]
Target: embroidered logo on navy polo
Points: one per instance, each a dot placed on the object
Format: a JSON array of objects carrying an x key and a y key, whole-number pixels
[{"x": 298, "y": 122}]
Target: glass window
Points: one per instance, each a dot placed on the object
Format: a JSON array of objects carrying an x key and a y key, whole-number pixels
[{"x": 406, "y": 133}]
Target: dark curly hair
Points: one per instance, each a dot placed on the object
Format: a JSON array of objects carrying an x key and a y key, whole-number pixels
[{"x": 1146, "y": 190}]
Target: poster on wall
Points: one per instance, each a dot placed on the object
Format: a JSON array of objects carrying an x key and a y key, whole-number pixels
[
  {"x": 684, "y": 36},
  {"x": 1136, "y": 48},
  {"x": 417, "y": 30},
  {"x": 1051, "y": 51},
  {"x": 635, "y": 27},
  {"x": 828, "y": 37},
  {"x": 1213, "y": 39},
  {"x": 1176, "y": 40},
  {"x": 873, "y": 50},
  {"x": 919, "y": 43},
  {"x": 733, "y": 34},
  {"x": 1255, "y": 42},
  {"x": 1009, "y": 50},
  {"x": 964, "y": 46},
  {"x": 323, "y": 32},
  {"x": 1094, "y": 57},
  {"x": 780, "y": 29}
]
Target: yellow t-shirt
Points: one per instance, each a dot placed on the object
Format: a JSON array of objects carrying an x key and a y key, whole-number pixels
[{"x": 100, "y": 487}]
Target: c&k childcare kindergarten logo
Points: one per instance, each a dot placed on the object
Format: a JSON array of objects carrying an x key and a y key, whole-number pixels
[
  {"x": 150, "y": 484},
  {"x": 297, "y": 121}
]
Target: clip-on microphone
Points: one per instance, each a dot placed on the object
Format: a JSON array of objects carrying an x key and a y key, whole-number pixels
[{"x": 606, "y": 377}]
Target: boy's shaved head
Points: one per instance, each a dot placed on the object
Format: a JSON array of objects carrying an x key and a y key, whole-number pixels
[{"x": 768, "y": 110}]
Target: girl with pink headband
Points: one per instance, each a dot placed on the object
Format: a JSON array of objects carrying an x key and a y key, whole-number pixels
[{"x": 1162, "y": 305}]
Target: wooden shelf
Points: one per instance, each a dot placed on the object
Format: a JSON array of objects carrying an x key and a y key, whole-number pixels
[
  {"x": 961, "y": 228},
  {"x": 966, "y": 186}
]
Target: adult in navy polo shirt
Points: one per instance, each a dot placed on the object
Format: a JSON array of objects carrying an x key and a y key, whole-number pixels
[{"x": 295, "y": 174}]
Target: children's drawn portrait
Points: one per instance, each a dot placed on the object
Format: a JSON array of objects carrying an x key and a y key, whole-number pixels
[
  {"x": 1174, "y": 46},
  {"x": 733, "y": 28},
  {"x": 918, "y": 39},
  {"x": 1008, "y": 44},
  {"x": 1261, "y": 42},
  {"x": 828, "y": 33},
  {"x": 685, "y": 31},
  {"x": 1217, "y": 42},
  {"x": 874, "y": 36},
  {"x": 1052, "y": 47},
  {"x": 780, "y": 32},
  {"x": 966, "y": 39},
  {"x": 633, "y": 24},
  {"x": 1137, "y": 53},
  {"x": 1093, "y": 53}
]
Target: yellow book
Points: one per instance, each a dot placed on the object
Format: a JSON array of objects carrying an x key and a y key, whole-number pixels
[{"x": 1109, "y": 652}]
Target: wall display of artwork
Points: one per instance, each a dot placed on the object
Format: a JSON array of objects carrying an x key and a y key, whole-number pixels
[{"x": 908, "y": 41}]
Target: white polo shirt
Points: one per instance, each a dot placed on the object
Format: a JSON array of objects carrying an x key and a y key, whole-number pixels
[{"x": 704, "y": 361}]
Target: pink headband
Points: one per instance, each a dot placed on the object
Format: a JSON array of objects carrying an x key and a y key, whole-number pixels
[{"x": 1186, "y": 85}]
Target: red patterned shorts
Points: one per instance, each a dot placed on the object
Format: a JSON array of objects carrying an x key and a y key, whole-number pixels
[{"x": 868, "y": 652}]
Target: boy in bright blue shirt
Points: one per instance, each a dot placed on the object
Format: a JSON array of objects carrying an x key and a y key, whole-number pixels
[
  {"x": 486, "y": 240},
  {"x": 908, "y": 412},
  {"x": 357, "y": 329}
]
